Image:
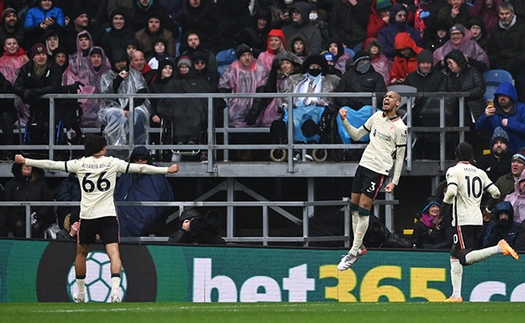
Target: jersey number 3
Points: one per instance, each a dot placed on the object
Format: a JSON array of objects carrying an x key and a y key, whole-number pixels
[{"x": 102, "y": 184}]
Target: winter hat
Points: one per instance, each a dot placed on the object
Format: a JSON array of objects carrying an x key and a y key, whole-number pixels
[
  {"x": 429, "y": 202},
  {"x": 96, "y": 50},
  {"x": 37, "y": 48},
  {"x": 519, "y": 157},
  {"x": 8, "y": 10},
  {"x": 425, "y": 56},
  {"x": 464, "y": 151},
  {"x": 241, "y": 49},
  {"x": 186, "y": 60},
  {"x": 200, "y": 55},
  {"x": 499, "y": 134},
  {"x": 458, "y": 27},
  {"x": 383, "y": 5},
  {"x": 360, "y": 55},
  {"x": 77, "y": 12}
]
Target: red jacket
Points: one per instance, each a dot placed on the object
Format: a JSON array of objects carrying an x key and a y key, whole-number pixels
[{"x": 403, "y": 66}]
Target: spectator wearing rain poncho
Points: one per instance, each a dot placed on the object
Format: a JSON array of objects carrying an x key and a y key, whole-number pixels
[
  {"x": 114, "y": 113},
  {"x": 245, "y": 75}
]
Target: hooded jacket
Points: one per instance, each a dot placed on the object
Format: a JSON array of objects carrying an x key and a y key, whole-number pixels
[
  {"x": 517, "y": 199},
  {"x": 497, "y": 229},
  {"x": 305, "y": 27},
  {"x": 267, "y": 56},
  {"x": 387, "y": 35},
  {"x": 515, "y": 118},
  {"x": 146, "y": 38},
  {"x": 306, "y": 42},
  {"x": 404, "y": 65},
  {"x": 433, "y": 236},
  {"x": 138, "y": 221},
  {"x": 117, "y": 38}
]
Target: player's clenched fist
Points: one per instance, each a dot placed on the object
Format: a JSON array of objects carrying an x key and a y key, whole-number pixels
[{"x": 173, "y": 168}]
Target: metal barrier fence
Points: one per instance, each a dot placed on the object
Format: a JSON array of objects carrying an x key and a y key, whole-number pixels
[{"x": 212, "y": 146}]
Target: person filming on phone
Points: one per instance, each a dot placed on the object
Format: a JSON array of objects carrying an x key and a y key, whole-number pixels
[{"x": 505, "y": 112}]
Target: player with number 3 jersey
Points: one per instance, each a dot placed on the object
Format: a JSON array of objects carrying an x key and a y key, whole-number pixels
[{"x": 97, "y": 175}]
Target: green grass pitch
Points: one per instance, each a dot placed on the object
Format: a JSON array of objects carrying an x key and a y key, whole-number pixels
[{"x": 262, "y": 312}]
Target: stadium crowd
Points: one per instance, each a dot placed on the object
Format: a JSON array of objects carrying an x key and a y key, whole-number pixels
[{"x": 280, "y": 46}]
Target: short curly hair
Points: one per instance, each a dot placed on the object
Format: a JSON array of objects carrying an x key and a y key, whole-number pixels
[{"x": 94, "y": 144}]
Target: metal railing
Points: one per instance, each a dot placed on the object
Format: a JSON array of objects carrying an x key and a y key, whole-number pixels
[{"x": 212, "y": 146}]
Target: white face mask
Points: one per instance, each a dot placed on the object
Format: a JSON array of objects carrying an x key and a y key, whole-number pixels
[
  {"x": 288, "y": 1},
  {"x": 312, "y": 16}
]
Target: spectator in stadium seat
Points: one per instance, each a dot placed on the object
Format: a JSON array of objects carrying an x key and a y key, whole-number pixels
[
  {"x": 337, "y": 48},
  {"x": 299, "y": 46},
  {"x": 191, "y": 43},
  {"x": 301, "y": 25},
  {"x": 255, "y": 33},
  {"x": 79, "y": 21},
  {"x": 478, "y": 33},
  {"x": 506, "y": 48},
  {"x": 12, "y": 59},
  {"x": 244, "y": 111},
  {"x": 155, "y": 29},
  {"x": 507, "y": 182},
  {"x": 397, "y": 24},
  {"x": 275, "y": 45},
  {"x": 119, "y": 34},
  {"x": 426, "y": 78},
  {"x": 37, "y": 77},
  {"x": 79, "y": 61},
  {"x": 159, "y": 53},
  {"x": 517, "y": 199},
  {"x": 141, "y": 11},
  {"x": 506, "y": 112},
  {"x": 474, "y": 54},
  {"x": 200, "y": 61},
  {"x": 497, "y": 162},
  {"x": 114, "y": 113},
  {"x": 405, "y": 61},
  {"x": 52, "y": 41},
  {"x": 138, "y": 63},
  {"x": 28, "y": 184},
  {"x": 200, "y": 16},
  {"x": 463, "y": 78},
  {"x": 430, "y": 230},
  {"x": 136, "y": 221},
  {"x": 11, "y": 27},
  {"x": 379, "y": 62},
  {"x": 455, "y": 12},
  {"x": 41, "y": 18},
  {"x": 487, "y": 12},
  {"x": 8, "y": 115},
  {"x": 360, "y": 76},
  {"x": 379, "y": 17},
  {"x": 348, "y": 22},
  {"x": 502, "y": 226}
]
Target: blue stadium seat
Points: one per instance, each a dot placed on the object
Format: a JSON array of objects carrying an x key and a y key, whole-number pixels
[
  {"x": 224, "y": 58},
  {"x": 349, "y": 51},
  {"x": 493, "y": 79}
]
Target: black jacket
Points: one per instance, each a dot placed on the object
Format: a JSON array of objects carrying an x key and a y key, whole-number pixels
[
  {"x": 22, "y": 188},
  {"x": 30, "y": 88},
  {"x": 201, "y": 232},
  {"x": 353, "y": 81}
]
